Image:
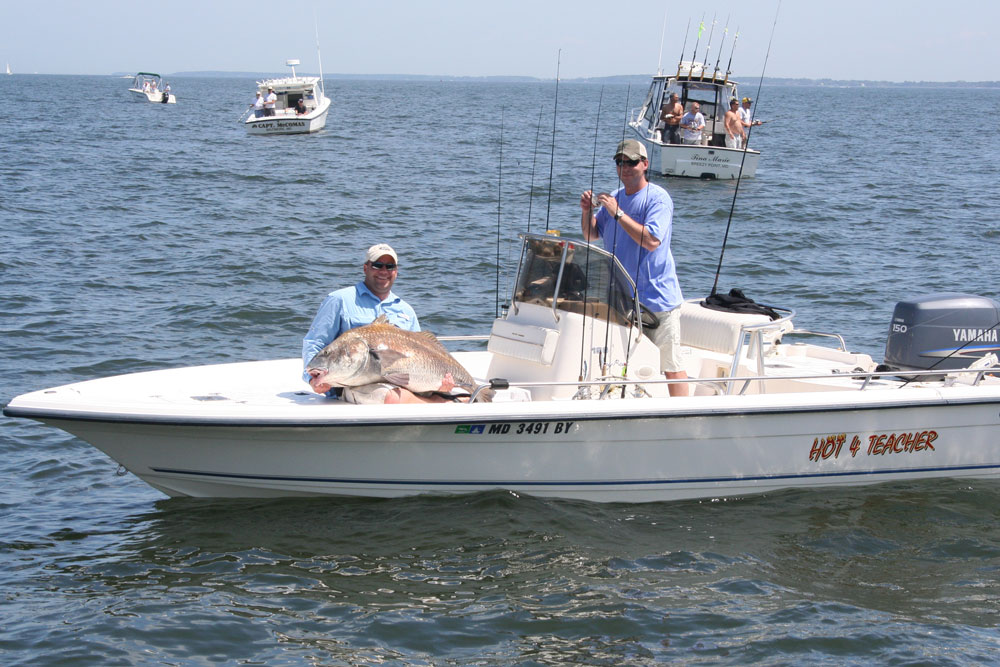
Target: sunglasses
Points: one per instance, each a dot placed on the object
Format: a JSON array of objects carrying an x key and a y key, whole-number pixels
[
  {"x": 383, "y": 265},
  {"x": 631, "y": 163}
]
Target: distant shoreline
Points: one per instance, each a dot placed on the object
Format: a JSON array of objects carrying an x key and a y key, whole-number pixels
[{"x": 635, "y": 79}]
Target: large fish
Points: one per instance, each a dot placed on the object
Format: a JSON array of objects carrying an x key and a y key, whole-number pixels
[{"x": 382, "y": 352}]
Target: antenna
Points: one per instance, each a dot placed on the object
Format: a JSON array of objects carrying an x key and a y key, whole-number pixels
[
  {"x": 322, "y": 84},
  {"x": 659, "y": 58}
]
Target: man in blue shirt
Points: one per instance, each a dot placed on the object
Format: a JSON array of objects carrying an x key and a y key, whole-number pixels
[
  {"x": 356, "y": 306},
  {"x": 635, "y": 223}
]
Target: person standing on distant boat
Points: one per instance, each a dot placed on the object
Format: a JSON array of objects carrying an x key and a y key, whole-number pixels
[
  {"x": 356, "y": 306},
  {"x": 671, "y": 117},
  {"x": 635, "y": 223},
  {"x": 692, "y": 123},
  {"x": 269, "y": 102},
  {"x": 735, "y": 136},
  {"x": 258, "y": 106},
  {"x": 746, "y": 116}
]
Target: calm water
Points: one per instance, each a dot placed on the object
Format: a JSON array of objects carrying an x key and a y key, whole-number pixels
[{"x": 141, "y": 236}]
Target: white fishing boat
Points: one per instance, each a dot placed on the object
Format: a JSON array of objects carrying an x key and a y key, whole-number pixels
[
  {"x": 8, "y": 69},
  {"x": 580, "y": 409},
  {"x": 286, "y": 118},
  {"x": 710, "y": 159},
  {"x": 150, "y": 87}
]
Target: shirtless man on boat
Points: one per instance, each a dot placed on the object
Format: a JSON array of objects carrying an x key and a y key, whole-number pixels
[
  {"x": 735, "y": 135},
  {"x": 670, "y": 116}
]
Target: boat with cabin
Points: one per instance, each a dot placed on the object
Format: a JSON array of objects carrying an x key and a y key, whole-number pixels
[
  {"x": 150, "y": 87},
  {"x": 580, "y": 409},
  {"x": 286, "y": 118},
  {"x": 710, "y": 159}
]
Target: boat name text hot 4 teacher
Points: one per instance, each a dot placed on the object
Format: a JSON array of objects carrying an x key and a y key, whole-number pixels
[{"x": 829, "y": 446}]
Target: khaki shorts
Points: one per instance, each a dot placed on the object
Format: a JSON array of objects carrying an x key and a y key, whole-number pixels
[
  {"x": 368, "y": 394},
  {"x": 667, "y": 336}
]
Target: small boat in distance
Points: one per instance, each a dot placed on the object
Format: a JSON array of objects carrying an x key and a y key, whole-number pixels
[
  {"x": 654, "y": 124},
  {"x": 8, "y": 69},
  {"x": 710, "y": 159},
  {"x": 149, "y": 87},
  {"x": 286, "y": 118}
]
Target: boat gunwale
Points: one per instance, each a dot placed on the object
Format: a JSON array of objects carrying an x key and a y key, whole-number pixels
[{"x": 481, "y": 416}]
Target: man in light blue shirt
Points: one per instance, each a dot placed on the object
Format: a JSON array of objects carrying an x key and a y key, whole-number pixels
[
  {"x": 635, "y": 224},
  {"x": 356, "y": 306}
]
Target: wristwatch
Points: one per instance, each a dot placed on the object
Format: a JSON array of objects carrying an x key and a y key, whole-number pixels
[{"x": 619, "y": 213}]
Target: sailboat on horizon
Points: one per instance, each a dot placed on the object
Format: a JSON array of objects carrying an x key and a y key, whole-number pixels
[{"x": 8, "y": 69}]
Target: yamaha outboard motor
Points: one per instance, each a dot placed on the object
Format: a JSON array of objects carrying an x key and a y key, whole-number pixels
[{"x": 941, "y": 332}]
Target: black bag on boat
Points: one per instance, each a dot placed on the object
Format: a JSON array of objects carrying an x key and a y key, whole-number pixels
[{"x": 737, "y": 302}]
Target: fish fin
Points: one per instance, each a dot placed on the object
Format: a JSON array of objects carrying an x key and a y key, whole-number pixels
[
  {"x": 382, "y": 319},
  {"x": 386, "y": 356},
  {"x": 398, "y": 378},
  {"x": 433, "y": 341}
]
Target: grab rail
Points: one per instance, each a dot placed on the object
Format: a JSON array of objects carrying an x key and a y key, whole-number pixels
[{"x": 864, "y": 376}]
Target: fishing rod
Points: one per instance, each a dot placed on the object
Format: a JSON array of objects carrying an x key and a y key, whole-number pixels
[
  {"x": 552, "y": 154},
  {"x": 725, "y": 31},
  {"x": 680, "y": 61},
  {"x": 701, "y": 77},
  {"x": 534, "y": 158},
  {"x": 729, "y": 65},
  {"x": 694, "y": 54},
  {"x": 739, "y": 176},
  {"x": 614, "y": 247},
  {"x": 499, "y": 200},
  {"x": 586, "y": 263}
]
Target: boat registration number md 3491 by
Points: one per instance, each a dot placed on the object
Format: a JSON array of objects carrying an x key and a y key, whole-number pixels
[{"x": 527, "y": 428}]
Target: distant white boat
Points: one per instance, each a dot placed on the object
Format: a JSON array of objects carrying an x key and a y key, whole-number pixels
[
  {"x": 148, "y": 87},
  {"x": 286, "y": 119},
  {"x": 709, "y": 159},
  {"x": 8, "y": 69}
]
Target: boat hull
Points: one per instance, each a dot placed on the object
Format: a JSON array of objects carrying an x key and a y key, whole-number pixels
[
  {"x": 706, "y": 162},
  {"x": 289, "y": 123},
  {"x": 157, "y": 97},
  {"x": 293, "y": 443}
]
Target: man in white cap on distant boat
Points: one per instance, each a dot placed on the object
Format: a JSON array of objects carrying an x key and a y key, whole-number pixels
[
  {"x": 269, "y": 102},
  {"x": 635, "y": 222}
]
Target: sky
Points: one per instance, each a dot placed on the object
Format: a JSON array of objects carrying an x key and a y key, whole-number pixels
[{"x": 886, "y": 40}]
